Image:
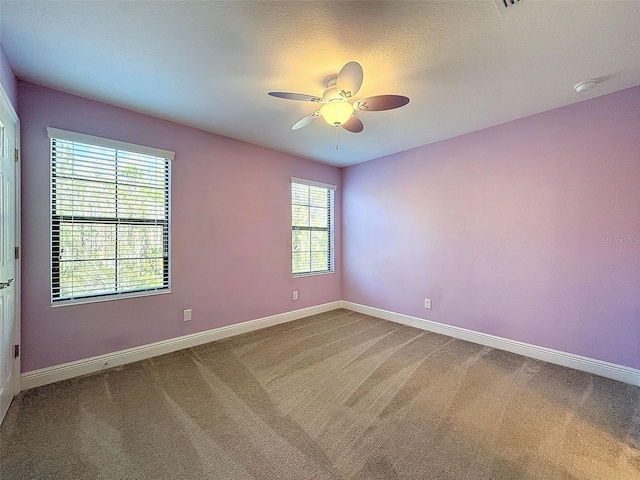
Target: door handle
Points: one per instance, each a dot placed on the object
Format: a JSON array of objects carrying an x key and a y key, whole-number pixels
[{"x": 6, "y": 284}]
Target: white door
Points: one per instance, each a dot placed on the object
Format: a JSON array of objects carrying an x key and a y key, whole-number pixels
[{"x": 9, "y": 332}]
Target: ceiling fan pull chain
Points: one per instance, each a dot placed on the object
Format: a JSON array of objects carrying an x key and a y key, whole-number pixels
[{"x": 337, "y": 137}]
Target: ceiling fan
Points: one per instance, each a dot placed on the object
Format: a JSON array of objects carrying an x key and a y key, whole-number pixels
[{"x": 338, "y": 106}]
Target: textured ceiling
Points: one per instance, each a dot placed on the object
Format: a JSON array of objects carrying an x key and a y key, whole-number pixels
[{"x": 465, "y": 65}]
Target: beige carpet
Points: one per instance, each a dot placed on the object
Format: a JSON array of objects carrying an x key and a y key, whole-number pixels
[{"x": 339, "y": 395}]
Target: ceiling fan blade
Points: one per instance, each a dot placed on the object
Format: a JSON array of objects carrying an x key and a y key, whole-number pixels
[
  {"x": 301, "y": 97},
  {"x": 350, "y": 79},
  {"x": 379, "y": 103},
  {"x": 303, "y": 122},
  {"x": 354, "y": 124}
]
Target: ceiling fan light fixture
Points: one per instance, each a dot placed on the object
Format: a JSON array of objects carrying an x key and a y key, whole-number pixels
[
  {"x": 336, "y": 112},
  {"x": 335, "y": 105}
]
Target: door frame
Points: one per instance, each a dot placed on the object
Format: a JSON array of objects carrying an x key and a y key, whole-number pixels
[{"x": 6, "y": 103}]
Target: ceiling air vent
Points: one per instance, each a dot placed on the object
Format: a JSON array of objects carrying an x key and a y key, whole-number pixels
[{"x": 504, "y": 5}]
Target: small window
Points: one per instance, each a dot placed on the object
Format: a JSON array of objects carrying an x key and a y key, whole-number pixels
[
  {"x": 311, "y": 227},
  {"x": 110, "y": 218}
]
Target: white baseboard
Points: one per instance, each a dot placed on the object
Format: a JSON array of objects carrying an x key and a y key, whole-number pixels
[
  {"x": 577, "y": 362},
  {"x": 43, "y": 376}
]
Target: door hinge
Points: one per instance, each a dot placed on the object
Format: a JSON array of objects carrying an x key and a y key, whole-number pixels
[
  {"x": 17, "y": 154},
  {"x": 17, "y": 253},
  {"x": 16, "y": 351}
]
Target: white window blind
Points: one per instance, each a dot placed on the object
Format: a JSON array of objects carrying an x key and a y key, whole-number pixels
[
  {"x": 110, "y": 218},
  {"x": 312, "y": 215}
]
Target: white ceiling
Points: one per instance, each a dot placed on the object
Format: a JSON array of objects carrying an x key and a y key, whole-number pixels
[{"x": 465, "y": 65}]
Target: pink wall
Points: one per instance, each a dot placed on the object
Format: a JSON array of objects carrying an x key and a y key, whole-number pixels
[
  {"x": 520, "y": 230},
  {"x": 7, "y": 79},
  {"x": 231, "y": 235}
]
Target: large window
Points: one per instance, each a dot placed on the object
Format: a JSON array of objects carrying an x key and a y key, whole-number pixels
[
  {"x": 110, "y": 218},
  {"x": 311, "y": 227}
]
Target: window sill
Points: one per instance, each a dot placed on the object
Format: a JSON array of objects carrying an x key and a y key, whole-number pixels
[
  {"x": 311, "y": 274},
  {"x": 123, "y": 296}
]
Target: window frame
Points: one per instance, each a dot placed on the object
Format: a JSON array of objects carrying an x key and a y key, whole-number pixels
[
  {"x": 57, "y": 220},
  {"x": 330, "y": 228}
]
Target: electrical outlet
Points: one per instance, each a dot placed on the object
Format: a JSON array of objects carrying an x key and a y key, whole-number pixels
[
  {"x": 187, "y": 315},
  {"x": 427, "y": 303},
  {"x": 295, "y": 294}
]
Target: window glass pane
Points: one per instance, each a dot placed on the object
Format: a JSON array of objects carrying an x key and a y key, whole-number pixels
[
  {"x": 136, "y": 273},
  {"x": 140, "y": 202},
  {"x": 301, "y": 240},
  {"x": 140, "y": 241},
  {"x": 91, "y": 277},
  {"x": 320, "y": 241},
  {"x": 318, "y": 197},
  {"x": 84, "y": 198},
  {"x": 84, "y": 161},
  {"x": 301, "y": 262},
  {"x": 299, "y": 194},
  {"x": 143, "y": 170},
  {"x": 319, "y": 261},
  {"x": 318, "y": 217},
  {"x": 299, "y": 216},
  {"x": 86, "y": 241}
]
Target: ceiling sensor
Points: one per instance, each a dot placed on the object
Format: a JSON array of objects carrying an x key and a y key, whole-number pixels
[{"x": 584, "y": 86}]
